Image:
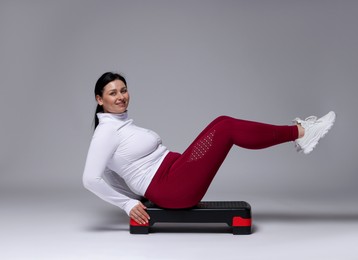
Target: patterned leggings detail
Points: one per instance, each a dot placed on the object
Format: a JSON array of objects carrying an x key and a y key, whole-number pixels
[{"x": 183, "y": 179}]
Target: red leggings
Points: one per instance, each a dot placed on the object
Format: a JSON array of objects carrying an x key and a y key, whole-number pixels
[{"x": 183, "y": 179}]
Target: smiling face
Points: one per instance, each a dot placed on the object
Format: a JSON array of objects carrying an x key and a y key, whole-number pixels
[{"x": 115, "y": 97}]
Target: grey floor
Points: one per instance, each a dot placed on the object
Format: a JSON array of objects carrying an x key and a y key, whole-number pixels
[{"x": 65, "y": 225}]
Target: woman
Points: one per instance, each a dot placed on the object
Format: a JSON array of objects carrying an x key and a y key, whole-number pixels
[{"x": 126, "y": 163}]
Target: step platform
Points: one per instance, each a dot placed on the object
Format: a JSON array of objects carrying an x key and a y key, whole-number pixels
[{"x": 236, "y": 214}]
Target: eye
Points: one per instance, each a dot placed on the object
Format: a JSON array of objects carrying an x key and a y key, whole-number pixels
[
  {"x": 112, "y": 93},
  {"x": 123, "y": 91}
]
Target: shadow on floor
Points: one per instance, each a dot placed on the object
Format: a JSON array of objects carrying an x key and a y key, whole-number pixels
[{"x": 112, "y": 220}]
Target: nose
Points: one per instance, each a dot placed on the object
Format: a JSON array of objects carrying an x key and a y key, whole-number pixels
[{"x": 120, "y": 96}]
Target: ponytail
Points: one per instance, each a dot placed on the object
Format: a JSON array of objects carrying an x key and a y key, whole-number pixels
[{"x": 99, "y": 109}]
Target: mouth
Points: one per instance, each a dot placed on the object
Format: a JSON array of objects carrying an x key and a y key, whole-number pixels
[{"x": 121, "y": 103}]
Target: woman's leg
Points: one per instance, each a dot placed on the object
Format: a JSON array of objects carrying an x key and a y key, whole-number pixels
[{"x": 182, "y": 181}]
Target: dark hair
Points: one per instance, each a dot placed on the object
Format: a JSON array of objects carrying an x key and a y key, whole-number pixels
[{"x": 98, "y": 90}]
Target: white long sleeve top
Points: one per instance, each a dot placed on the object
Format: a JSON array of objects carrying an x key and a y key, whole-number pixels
[{"x": 122, "y": 160}]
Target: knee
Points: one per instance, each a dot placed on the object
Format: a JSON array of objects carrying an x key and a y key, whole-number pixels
[
  {"x": 224, "y": 121},
  {"x": 222, "y": 118}
]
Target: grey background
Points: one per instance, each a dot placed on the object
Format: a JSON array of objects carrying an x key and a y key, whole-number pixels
[{"x": 186, "y": 62}]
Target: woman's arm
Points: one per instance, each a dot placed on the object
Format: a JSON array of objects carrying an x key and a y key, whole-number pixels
[
  {"x": 101, "y": 149},
  {"x": 138, "y": 212},
  {"x": 118, "y": 184}
]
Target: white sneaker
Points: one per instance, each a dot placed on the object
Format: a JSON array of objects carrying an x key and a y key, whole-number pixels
[{"x": 315, "y": 129}]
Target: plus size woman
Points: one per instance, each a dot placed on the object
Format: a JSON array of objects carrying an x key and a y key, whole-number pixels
[{"x": 126, "y": 163}]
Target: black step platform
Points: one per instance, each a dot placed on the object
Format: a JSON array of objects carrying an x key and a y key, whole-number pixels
[{"x": 237, "y": 214}]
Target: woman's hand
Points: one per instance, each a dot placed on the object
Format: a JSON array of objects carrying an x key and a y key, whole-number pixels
[{"x": 139, "y": 214}]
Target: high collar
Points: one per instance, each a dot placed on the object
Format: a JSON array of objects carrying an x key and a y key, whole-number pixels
[{"x": 111, "y": 116}]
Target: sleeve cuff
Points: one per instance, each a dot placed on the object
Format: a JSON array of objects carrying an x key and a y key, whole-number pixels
[{"x": 129, "y": 205}]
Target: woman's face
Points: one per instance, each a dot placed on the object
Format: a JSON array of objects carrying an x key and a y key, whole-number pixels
[{"x": 115, "y": 97}]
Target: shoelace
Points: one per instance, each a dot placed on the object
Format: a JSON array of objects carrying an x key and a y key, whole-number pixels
[{"x": 310, "y": 119}]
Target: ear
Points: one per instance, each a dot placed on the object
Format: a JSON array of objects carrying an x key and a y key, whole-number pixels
[{"x": 99, "y": 100}]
